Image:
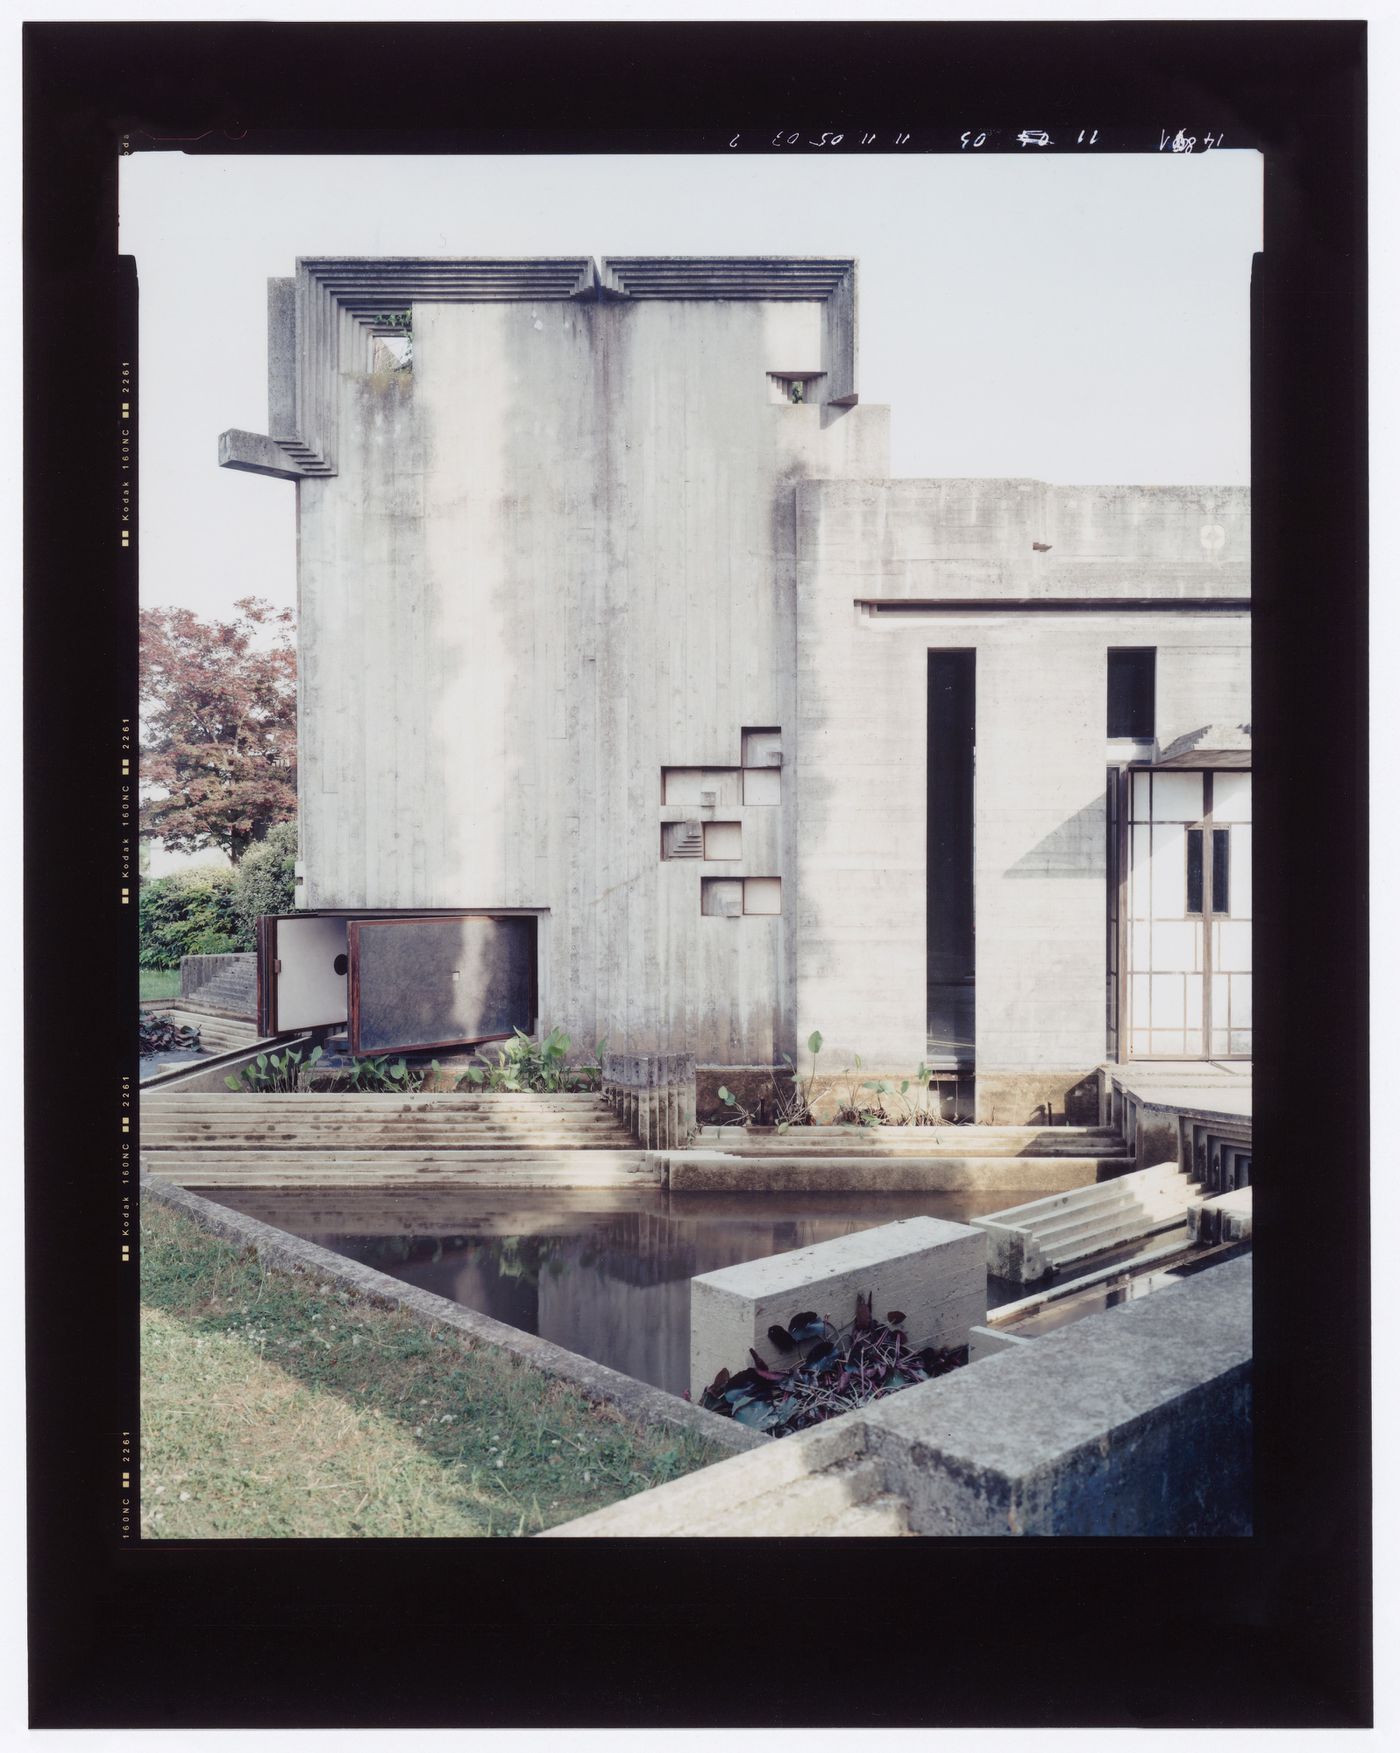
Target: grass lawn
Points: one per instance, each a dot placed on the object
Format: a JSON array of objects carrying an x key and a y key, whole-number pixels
[
  {"x": 275, "y": 1405},
  {"x": 157, "y": 983}
]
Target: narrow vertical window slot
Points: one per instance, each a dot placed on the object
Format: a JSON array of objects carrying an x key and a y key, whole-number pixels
[
  {"x": 1220, "y": 870},
  {"x": 1195, "y": 870},
  {"x": 951, "y": 932}
]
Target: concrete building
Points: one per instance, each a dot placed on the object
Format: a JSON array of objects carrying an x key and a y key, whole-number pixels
[{"x": 637, "y": 699}]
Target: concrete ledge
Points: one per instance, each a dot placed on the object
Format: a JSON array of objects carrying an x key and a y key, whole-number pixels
[
  {"x": 714, "y": 1171},
  {"x": 933, "y": 1270},
  {"x": 637, "y": 1400},
  {"x": 1136, "y": 1421}
]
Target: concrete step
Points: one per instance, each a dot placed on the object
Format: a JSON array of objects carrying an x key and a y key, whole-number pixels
[
  {"x": 1143, "y": 1206},
  {"x": 715, "y": 1171},
  {"x": 420, "y": 1101},
  {"x": 801, "y": 1506},
  {"x": 1134, "y": 1181},
  {"x": 311, "y": 1169},
  {"x": 1062, "y": 1253},
  {"x": 916, "y": 1140}
]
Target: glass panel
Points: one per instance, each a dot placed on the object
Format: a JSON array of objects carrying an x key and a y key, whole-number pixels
[
  {"x": 1242, "y": 874},
  {"x": 1139, "y": 946},
  {"x": 1142, "y": 797},
  {"x": 1219, "y": 1008},
  {"x": 1195, "y": 995},
  {"x": 1173, "y": 946},
  {"x": 1232, "y": 797},
  {"x": 1140, "y": 886},
  {"x": 1176, "y": 797},
  {"x": 1168, "y": 871},
  {"x": 1168, "y": 1044},
  {"x": 1142, "y": 1043},
  {"x": 1241, "y": 1040},
  {"x": 1139, "y": 994},
  {"x": 1195, "y": 870},
  {"x": 1242, "y": 1000},
  {"x": 1233, "y": 938},
  {"x": 1168, "y": 1000},
  {"x": 1220, "y": 870},
  {"x": 1195, "y": 1044}
]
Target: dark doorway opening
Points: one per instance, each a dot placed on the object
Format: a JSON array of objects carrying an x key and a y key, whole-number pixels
[{"x": 952, "y": 718}]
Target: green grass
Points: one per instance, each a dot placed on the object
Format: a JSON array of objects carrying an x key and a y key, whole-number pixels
[
  {"x": 157, "y": 983},
  {"x": 272, "y": 1404}
]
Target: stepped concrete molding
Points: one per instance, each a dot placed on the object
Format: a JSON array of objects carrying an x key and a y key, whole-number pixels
[
  {"x": 933, "y": 1270},
  {"x": 1133, "y": 1422},
  {"x": 1027, "y": 1241},
  {"x": 1227, "y": 1217},
  {"x": 653, "y": 1095}
]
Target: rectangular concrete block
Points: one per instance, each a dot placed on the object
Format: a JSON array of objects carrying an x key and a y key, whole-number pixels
[
  {"x": 933, "y": 1270},
  {"x": 987, "y": 1341}
]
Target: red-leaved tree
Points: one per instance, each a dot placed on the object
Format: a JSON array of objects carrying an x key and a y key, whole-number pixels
[{"x": 218, "y": 726}]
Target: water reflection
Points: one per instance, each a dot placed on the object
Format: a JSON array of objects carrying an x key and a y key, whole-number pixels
[{"x": 604, "y": 1274}]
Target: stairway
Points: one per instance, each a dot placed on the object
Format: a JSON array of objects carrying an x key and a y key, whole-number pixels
[
  {"x": 231, "y": 987},
  {"x": 1025, "y": 1242},
  {"x": 217, "y": 1033},
  {"x": 426, "y": 1140}
]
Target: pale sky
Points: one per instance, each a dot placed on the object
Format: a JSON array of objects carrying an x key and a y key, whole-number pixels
[{"x": 1077, "y": 320}]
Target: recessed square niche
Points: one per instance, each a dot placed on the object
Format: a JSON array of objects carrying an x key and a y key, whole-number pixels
[
  {"x": 723, "y": 840},
  {"x": 721, "y": 897},
  {"x": 731, "y": 897},
  {"x": 701, "y": 787},
  {"x": 762, "y": 747},
  {"x": 762, "y": 785},
  {"x": 763, "y": 895}
]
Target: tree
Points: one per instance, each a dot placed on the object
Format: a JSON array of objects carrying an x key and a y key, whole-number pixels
[{"x": 218, "y": 718}]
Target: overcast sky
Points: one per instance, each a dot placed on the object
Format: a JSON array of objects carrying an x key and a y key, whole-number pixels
[{"x": 1079, "y": 320}]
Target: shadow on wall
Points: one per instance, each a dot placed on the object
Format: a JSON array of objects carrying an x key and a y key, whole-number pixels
[{"x": 1076, "y": 848}]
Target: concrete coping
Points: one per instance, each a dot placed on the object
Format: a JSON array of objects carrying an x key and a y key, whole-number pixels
[{"x": 595, "y": 1381}]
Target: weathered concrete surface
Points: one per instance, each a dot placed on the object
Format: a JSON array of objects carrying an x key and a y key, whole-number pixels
[
  {"x": 932, "y": 1270},
  {"x": 1136, "y": 1421},
  {"x": 596, "y": 1381},
  {"x": 226, "y": 985},
  {"x": 985, "y": 1342},
  {"x": 559, "y": 556},
  {"x": 699, "y": 1171},
  {"x": 1133, "y": 1422},
  {"x": 1041, "y": 687}
]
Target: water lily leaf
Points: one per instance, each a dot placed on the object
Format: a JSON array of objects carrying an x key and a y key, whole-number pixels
[
  {"x": 807, "y": 1325},
  {"x": 780, "y": 1339},
  {"x": 896, "y": 1317},
  {"x": 814, "y": 1042},
  {"x": 823, "y": 1357},
  {"x": 720, "y": 1383},
  {"x": 757, "y": 1414}
]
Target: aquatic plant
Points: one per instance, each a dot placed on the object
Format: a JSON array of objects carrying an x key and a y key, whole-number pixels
[{"x": 843, "y": 1369}]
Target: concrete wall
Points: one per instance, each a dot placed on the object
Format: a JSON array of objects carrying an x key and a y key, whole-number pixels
[
  {"x": 558, "y": 556},
  {"x": 1040, "y": 837},
  {"x": 585, "y": 538}
]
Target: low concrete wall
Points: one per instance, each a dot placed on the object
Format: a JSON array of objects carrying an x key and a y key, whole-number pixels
[
  {"x": 932, "y": 1270},
  {"x": 227, "y": 985},
  {"x": 1136, "y": 1421},
  {"x": 637, "y": 1400},
  {"x": 701, "y": 1171}
]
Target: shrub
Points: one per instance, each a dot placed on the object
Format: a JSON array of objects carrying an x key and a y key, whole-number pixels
[
  {"x": 265, "y": 881},
  {"x": 523, "y": 1064},
  {"x": 189, "y": 913},
  {"x": 842, "y": 1370}
]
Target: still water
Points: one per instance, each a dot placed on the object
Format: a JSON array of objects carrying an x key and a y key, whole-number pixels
[{"x": 606, "y": 1274}]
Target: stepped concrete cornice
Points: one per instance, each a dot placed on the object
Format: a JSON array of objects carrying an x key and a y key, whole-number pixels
[{"x": 323, "y": 320}]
